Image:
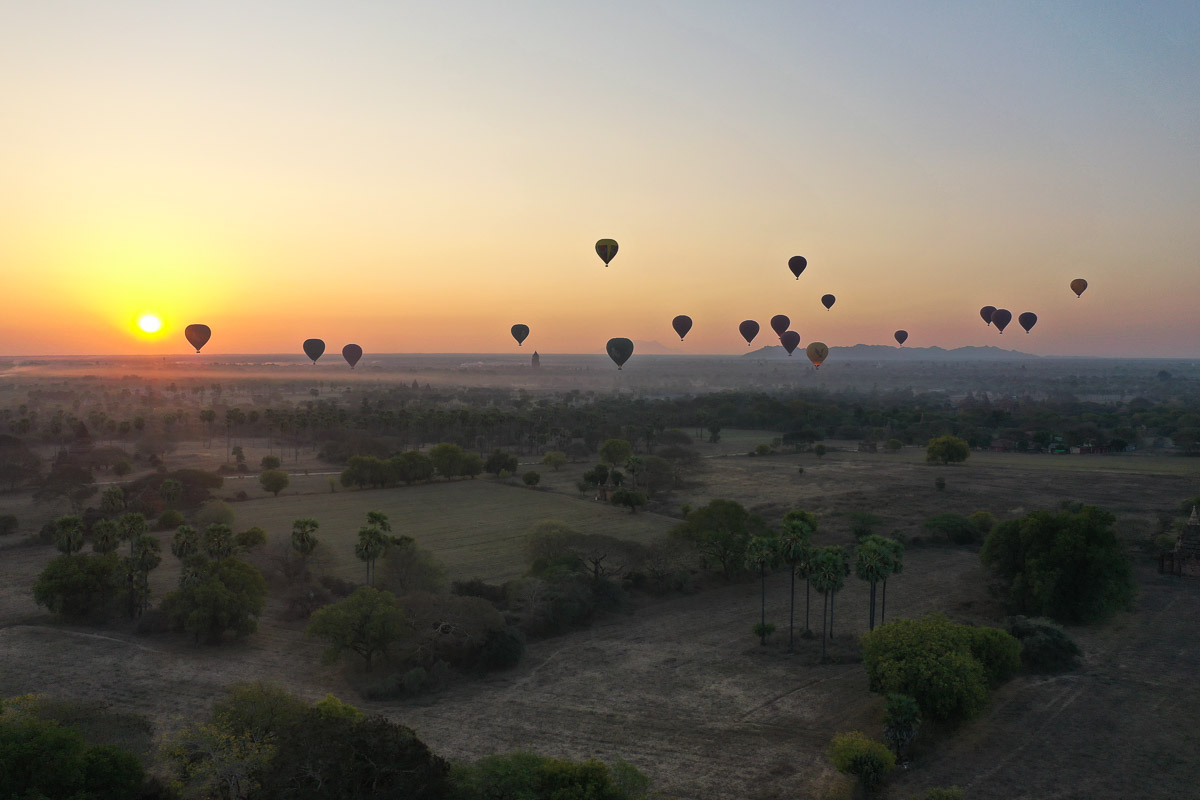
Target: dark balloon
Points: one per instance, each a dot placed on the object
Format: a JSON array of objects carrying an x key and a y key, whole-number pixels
[
  {"x": 986, "y": 312},
  {"x": 606, "y": 249},
  {"x": 828, "y": 300},
  {"x": 817, "y": 352},
  {"x": 313, "y": 348},
  {"x": 791, "y": 340},
  {"x": 1000, "y": 318},
  {"x": 352, "y": 353},
  {"x": 1027, "y": 320},
  {"x": 780, "y": 323},
  {"x": 619, "y": 350},
  {"x": 748, "y": 329},
  {"x": 197, "y": 335},
  {"x": 797, "y": 264},
  {"x": 901, "y": 337},
  {"x": 682, "y": 324},
  {"x": 1078, "y": 286},
  {"x": 520, "y": 333}
]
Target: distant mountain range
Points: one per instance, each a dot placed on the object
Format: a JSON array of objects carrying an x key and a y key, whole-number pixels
[{"x": 883, "y": 352}]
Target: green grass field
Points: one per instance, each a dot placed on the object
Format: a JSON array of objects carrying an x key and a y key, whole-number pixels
[{"x": 475, "y": 528}]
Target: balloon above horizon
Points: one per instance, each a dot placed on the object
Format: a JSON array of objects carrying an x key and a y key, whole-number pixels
[
  {"x": 682, "y": 324},
  {"x": 797, "y": 264},
  {"x": 619, "y": 350},
  {"x": 314, "y": 348},
  {"x": 748, "y": 329},
  {"x": 607, "y": 250},
  {"x": 1027, "y": 320},
  {"x": 1000, "y": 318},
  {"x": 197, "y": 335},
  {"x": 780, "y": 323},
  {"x": 1079, "y": 286},
  {"x": 817, "y": 352},
  {"x": 986, "y": 312},
  {"x": 352, "y": 353},
  {"x": 828, "y": 300},
  {"x": 520, "y": 333},
  {"x": 901, "y": 337},
  {"x": 790, "y": 340}
]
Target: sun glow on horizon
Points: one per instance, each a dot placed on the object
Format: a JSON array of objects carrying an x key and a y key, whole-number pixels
[{"x": 149, "y": 323}]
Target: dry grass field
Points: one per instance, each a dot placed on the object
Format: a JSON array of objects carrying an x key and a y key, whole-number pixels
[{"x": 680, "y": 687}]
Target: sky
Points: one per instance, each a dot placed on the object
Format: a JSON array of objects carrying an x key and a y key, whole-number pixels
[{"x": 417, "y": 177}]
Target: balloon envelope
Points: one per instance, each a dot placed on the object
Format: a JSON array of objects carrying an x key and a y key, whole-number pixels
[
  {"x": 797, "y": 264},
  {"x": 352, "y": 353},
  {"x": 901, "y": 337},
  {"x": 1027, "y": 320},
  {"x": 606, "y": 249},
  {"x": 791, "y": 340},
  {"x": 828, "y": 300},
  {"x": 313, "y": 348},
  {"x": 520, "y": 333},
  {"x": 748, "y": 329},
  {"x": 619, "y": 350},
  {"x": 780, "y": 323},
  {"x": 197, "y": 335},
  {"x": 682, "y": 324},
  {"x": 986, "y": 312},
  {"x": 817, "y": 352},
  {"x": 1000, "y": 318},
  {"x": 1078, "y": 285}
]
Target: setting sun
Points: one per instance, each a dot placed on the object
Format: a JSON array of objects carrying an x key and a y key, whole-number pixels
[{"x": 149, "y": 323}]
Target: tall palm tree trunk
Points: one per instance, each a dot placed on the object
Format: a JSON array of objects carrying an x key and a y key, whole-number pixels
[
  {"x": 872, "y": 624},
  {"x": 832, "y": 597},
  {"x": 824, "y": 625},
  {"x": 883, "y": 606},
  {"x": 792, "y": 609},
  {"x": 762, "y": 579}
]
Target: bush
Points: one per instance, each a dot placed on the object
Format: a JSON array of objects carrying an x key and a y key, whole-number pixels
[
  {"x": 531, "y": 478},
  {"x": 1045, "y": 646},
  {"x": 937, "y": 663},
  {"x": 274, "y": 481},
  {"x": 982, "y": 522},
  {"x": 1069, "y": 566},
  {"x": 169, "y": 520},
  {"x": 42, "y": 759},
  {"x": 855, "y": 754},
  {"x": 503, "y": 649},
  {"x": 893, "y": 445},
  {"x": 998, "y": 651},
  {"x": 477, "y": 587},
  {"x": 763, "y": 631},
  {"x": 762, "y": 450},
  {"x": 952, "y": 528},
  {"x": 947, "y": 450},
  {"x": 527, "y": 775},
  {"x": 270, "y": 462},
  {"x": 214, "y": 512},
  {"x": 227, "y": 595},
  {"x": 81, "y": 588},
  {"x": 8, "y": 525},
  {"x": 339, "y": 587}
]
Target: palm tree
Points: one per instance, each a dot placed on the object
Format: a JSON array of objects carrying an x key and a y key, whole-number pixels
[
  {"x": 762, "y": 552},
  {"x": 304, "y": 539},
  {"x": 794, "y": 546},
  {"x": 873, "y": 563},
  {"x": 68, "y": 533},
  {"x": 896, "y": 550},
  {"x": 131, "y": 526},
  {"x": 106, "y": 537},
  {"x": 372, "y": 543},
  {"x": 186, "y": 543},
  {"x": 218, "y": 541},
  {"x": 829, "y": 570}
]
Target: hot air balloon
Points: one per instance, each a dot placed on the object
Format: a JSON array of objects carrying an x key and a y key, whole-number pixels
[
  {"x": 797, "y": 264},
  {"x": 1027, "y": 320},
  {"x": 619, "y": 350},
  {"x": 606, "y": 249},
  {"x": 520, "y": 333},
  {"x": 828, "y": 300},
  {"x": 791, "y": 340},
  {"x": 901, "y": 337},
  {"x": 986, "y": 312},
  {"x": 352, "y": 353},
  {"x": 817, "y": 353},
  {"x": 313, "y": 348},
  {"x": 682, "y": 324},
  {"x": 780, "y": 323},
  {"x": 748, "y": 329},
  {"x": 1000, "y": 318},
  {"x": 197, "y": 335},
  {"x": 1078, "y": 286}
]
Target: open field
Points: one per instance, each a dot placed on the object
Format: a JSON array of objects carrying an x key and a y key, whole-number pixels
[{"x": 680, "y": 687}]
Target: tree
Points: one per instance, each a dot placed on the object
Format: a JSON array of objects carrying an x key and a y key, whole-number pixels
[
  {"x": 8, "y": 524},
  {"x": 856, "y": 754},
  {"x": 947, "y": 450},
  {"x": 528, "y": 775},
  {"x": 274, "y": 481},
  {"x": 820, "y": 450},
  {"x": 761, "y": 553},
  {"x": 186, "y": 543},
  {"x": 112, "y": 501},
  {"x": 80, "y": 588},
  {"x": 226, "y": 595},
  {"x": 68, "y": 534},
  {"x": 829, "y": 570},
  {"x": 471, "y": 465},
  {"x": 249, "y": 539},
  {"x": 597, "y": 475},
  {"x": 214, "y": 512},
  {"x": 40, "y": 758},
  {"x": 304, "y": 539},
  {"x": 629, "y": 498},
  {"x": 408, "y": 568},
  {"x": 106, "y": 536},
  {"x": 145, "y": 555},
  {"x": 500, "y": 461},
  {"x": 555, "y": 459},
  {"x": 411, "y": 466},
  {"x": 270, "y": 462},
  {"x": 18, "y": 463},
  {"x": 367, "y": 622},
  {"x": 217, "y": 542},
  {"x": 170, "y": 491},
  {"x": 657, "y": 475},
  {"x": 447, "y": 459},
  {"x": 794, "y": 549},
  {"x": 720, "y": 531},
  {"x": 130, "y": 526},
  {"x": 873, "y": 563},
  {"x": 901, "y": 721},
  {"x": 897, "y": 558},
  {"x": 531, "y": 478},
  {"x": 616, "y": 451},
  {"x": 373, "y": 541},
  {"x": 1070, "y": 566}
]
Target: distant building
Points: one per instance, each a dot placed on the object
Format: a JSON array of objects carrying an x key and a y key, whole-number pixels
[
  {"x": 536, "y": 360},
  {"x": 1185, "y": 559}
]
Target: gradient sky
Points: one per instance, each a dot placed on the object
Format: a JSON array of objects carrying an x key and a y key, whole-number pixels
[{"x": 416, "y": 177}]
